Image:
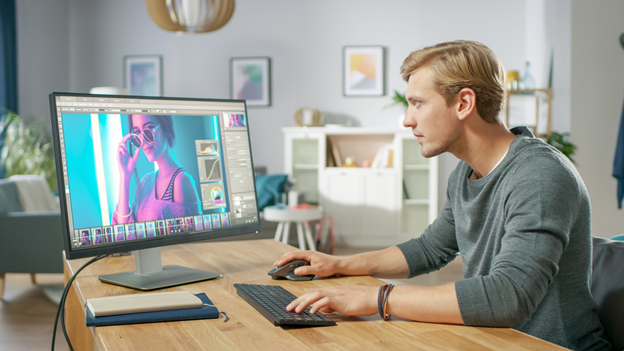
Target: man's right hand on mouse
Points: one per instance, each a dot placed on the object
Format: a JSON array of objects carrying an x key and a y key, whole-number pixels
[{"x": 321, "y": 264}]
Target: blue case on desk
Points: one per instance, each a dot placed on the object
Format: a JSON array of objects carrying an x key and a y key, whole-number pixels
[{"x": 205, "y": 312}]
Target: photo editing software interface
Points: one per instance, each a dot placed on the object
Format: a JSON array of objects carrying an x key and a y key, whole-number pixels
[{"x": 140, "y": 169}]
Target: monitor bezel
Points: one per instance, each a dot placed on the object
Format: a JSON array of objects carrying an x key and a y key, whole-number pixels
[{"x": 71, "y": 254}]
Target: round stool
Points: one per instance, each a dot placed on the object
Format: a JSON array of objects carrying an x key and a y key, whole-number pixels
[{"x": 301, "y": 217}]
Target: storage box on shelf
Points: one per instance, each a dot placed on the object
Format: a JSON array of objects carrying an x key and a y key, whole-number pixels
[{"x": 371, "y": 206}]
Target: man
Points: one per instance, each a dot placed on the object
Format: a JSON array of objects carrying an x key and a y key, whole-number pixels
[{"x": 516, "y": 210}]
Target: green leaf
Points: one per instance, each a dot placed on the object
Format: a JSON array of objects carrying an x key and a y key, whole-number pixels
[
  {"x": 27, "y": 148},
  {"x": 398, "y": 99}
]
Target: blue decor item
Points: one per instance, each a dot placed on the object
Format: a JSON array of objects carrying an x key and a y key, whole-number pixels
[
  {"x": 8, "y": 62},
  {"x": 618, "y": 163},
  {"x": 268, "y": 187},
  {"x": 618, "y": 237}
]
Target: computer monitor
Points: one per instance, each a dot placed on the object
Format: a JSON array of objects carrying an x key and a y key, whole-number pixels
[{"x": 137, "y": 173}]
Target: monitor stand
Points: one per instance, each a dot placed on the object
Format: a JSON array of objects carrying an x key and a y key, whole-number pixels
[{"x": 150, "y": 274}]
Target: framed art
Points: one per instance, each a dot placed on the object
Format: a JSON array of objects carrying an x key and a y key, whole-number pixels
[
  {"x": 363, "y": 71},
  {"x": 143, "y": 75},
  {"x": 250, "y": 79}
]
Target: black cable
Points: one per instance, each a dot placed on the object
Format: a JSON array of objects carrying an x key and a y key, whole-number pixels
[{"x": 61, "y": 308}]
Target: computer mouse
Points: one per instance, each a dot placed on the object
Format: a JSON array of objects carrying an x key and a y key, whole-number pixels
[{"x": 287, "y": 271}]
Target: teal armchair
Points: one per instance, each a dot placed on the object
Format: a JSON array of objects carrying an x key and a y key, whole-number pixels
[{"x": 30, "y": 242}]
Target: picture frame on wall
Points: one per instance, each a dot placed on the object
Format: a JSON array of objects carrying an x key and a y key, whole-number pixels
[
  {"x": 143, "y": 75},
  {"x": 250, "y": 80},
  {"x": 363, "y": 71}
]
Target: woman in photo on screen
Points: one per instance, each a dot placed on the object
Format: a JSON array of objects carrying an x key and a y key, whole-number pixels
[
  {"x": 97, "y": 237},
  {"x": 166, "y": 193},
  {"x": 85, "y": 238},
  {"x": 236, "y": 120}
]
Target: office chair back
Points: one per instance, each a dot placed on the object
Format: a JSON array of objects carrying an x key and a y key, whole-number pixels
[{"x": 608, "y": 287}]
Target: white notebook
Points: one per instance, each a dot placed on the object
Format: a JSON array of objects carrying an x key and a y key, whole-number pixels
[{"x": 145, "y": 302}]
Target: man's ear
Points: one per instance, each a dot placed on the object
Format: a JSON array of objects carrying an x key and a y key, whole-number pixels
[{"x": 466, "y": 103}]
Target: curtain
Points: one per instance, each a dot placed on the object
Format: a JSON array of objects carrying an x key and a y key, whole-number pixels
[
  {"x": 8, "y": 63},
  {"x": 8, "y": 55}
]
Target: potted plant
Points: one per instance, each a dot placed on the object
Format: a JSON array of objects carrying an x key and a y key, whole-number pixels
[
  {"x": 398, "y": 99},
  {"x": 560, "y": 142},
  {"x": 26, "y": 148}
]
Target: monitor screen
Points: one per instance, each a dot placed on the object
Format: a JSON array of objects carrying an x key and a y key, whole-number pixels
[{"x": 143, "y": 172}]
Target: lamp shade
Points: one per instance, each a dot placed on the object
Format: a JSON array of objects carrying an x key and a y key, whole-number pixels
[{"x": 190, "y": 16}]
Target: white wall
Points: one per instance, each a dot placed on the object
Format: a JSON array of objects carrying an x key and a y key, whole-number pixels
[
  {"x": 558, "y": 39},
  {"x": 77, "y": 44},
  {"x": 42, "y": 54},
  {"x": 597, "y": 91},
  {"x": 303, "y": 38}
]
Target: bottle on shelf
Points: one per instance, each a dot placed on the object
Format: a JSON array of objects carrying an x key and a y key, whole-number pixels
[
  {"x": 513, "y": 79},
  {"x": 527, "y": 82}
]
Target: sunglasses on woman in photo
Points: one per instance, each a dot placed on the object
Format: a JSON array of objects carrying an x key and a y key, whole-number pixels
[{"x": 147, "y": 135}]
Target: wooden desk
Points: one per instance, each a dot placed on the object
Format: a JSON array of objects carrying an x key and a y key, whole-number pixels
[{"x": 249, "y": 262}]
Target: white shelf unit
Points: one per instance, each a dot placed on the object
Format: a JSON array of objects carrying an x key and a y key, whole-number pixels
[
  {"x": 420, "y": 206},
  {"x": 369, "y": 205}
]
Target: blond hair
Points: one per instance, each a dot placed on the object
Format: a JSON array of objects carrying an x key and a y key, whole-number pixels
[{"x": 463, "y": 64}]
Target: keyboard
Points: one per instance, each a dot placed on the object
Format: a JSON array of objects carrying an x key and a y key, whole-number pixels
[{"x": 271, "y": 302}]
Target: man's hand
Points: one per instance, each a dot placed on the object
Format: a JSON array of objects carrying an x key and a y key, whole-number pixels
[
  {"x": 349, "y": 300},
  {"x": 321, "y": 264}
]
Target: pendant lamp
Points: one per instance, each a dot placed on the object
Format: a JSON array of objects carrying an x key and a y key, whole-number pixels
[{"x": 190, "y": 16}]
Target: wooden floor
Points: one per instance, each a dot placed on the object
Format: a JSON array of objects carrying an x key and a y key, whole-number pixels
[{"x": 27, "y": 315}]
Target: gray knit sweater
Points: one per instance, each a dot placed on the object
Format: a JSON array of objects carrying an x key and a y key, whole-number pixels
[{"x": 524, "y": 233}]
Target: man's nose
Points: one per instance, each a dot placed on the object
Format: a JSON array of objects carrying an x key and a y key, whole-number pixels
[{"x": 408, "y": 120}]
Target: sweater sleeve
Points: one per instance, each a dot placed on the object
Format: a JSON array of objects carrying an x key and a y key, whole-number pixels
[
  {"x": 540, "y": 208},
  {"x": 436, "y": 247}
]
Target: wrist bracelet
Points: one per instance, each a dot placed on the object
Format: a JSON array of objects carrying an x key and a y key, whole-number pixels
[
  {"x": 382, "y": 300},
  {"x": 126, "y": 216},
  {"x": 380, "y": 295},
  {"x": 386, "y": 316}
]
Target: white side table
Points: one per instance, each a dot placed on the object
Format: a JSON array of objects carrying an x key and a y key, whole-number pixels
[{"x": 301, "y": 217}]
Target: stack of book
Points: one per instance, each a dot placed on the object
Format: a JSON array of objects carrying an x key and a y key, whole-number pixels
[
  {"x": 333, "y": 155},
  {"x": 384, "y": 157},
  {"x": 149, "y": 308}
]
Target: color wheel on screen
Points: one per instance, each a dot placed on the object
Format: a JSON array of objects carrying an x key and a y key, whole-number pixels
[{"x": 217, "y": 195}]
